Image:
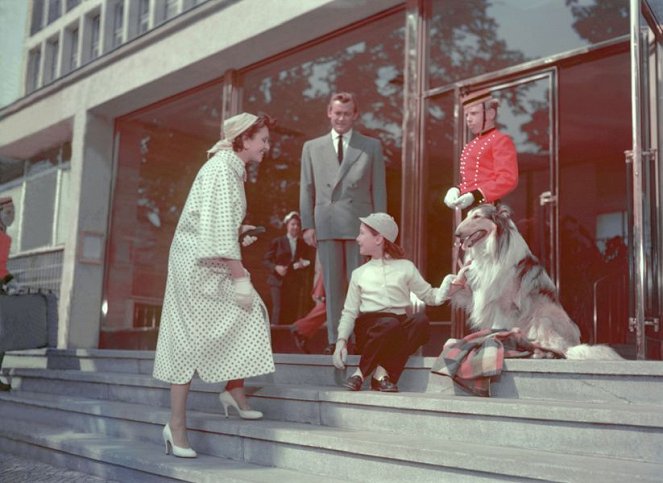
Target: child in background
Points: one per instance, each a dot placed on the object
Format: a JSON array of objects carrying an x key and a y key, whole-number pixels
[{"x": 376, "y": 308}]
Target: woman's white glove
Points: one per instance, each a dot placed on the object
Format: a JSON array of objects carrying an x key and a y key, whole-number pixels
[
  {"x": 451, "y": 197},
  {"x": 340, "y": 354},
  {"x": 243, "y": 292},
  {"x": 442, "y": 294}
]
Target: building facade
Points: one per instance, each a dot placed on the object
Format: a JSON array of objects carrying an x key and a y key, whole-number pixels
[{"x": 123, "y": 98}]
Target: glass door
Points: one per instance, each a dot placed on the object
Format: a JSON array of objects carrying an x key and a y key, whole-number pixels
[
  {"x": 643, "y": 158},
  {"x": 570, "y": 132},
  {"x": 527, "y": 114}
]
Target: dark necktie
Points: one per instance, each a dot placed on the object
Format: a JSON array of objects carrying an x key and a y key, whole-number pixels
[{"x": 339, "y": 152}]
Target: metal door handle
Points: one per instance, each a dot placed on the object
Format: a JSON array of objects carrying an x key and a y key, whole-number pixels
[{"x": 547, "y": 198}]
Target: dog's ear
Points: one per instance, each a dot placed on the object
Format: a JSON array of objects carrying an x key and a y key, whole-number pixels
[{"x": 503, "y": 212}]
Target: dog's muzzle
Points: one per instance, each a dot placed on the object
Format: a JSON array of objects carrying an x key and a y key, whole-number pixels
[{"x": 470, "y": 240}]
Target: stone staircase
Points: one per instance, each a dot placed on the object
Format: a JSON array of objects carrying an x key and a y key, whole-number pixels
[{"x": 101, "y": 412}]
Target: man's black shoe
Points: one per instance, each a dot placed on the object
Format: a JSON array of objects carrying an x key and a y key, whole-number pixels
[
  {"x": 353, "y": 383},
  {"x": 383, "y": 385},
  {"x": 329, "y": 350},
  {"x": 5, "y": 387},
  {"x": 300, "y": 342}
]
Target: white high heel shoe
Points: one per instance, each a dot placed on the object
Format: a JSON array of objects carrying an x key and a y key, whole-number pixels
[
  {"x": 177, "y": 450},
  {"x": 227, "y": 400}
]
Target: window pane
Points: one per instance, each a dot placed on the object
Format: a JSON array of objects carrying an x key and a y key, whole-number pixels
[
  {"x": 64, "y": 207},
  {"x": 37, "y": 221},
  {"x": 72, "y": 3},
  {"x": 160, "y": 152},
  {"x": 162, "y": 148},
  {"x": 54, "y": 10},
  {"x": 10, "y": 169},
  {"x": 73, "y": 48},
  {"x": 51, "y": 68},
  {"x": 439, "y": 176},
  {"x": 34, "y": 59},
  {"x": 49, "y": 158},
  {"x": 296, "y": 91},
  {"x": 95, "y": 32},
  {"x": 472, "y": 37},
  {"x": 118, "y": 23},
  {"x": 12, "y": 230},
  {"x": 143, "y": 16},
  {"x": 37, "y": 16},
  {"x": 593, "y": 185}
]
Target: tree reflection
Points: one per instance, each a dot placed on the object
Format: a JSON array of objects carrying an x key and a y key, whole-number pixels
[
  {"x": 613, "y": 15},
  {"x": 298, "y": 95}
]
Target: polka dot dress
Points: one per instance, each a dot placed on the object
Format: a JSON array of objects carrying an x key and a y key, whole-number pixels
[{"x": 202, "y": 328}]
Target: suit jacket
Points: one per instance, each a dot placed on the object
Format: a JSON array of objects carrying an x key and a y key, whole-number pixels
[
  {"x": 332, "y": 198},
  {"x": 279, "y": 254}
]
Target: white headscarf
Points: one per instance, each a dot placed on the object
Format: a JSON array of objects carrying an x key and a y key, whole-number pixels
[{"x": 232, "y": 128}]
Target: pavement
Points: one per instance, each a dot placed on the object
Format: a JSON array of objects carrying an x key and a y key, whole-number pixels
[{"x": 15, "y": 469}]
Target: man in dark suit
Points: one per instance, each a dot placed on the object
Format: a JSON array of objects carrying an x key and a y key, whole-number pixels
[
  {"x": 342, "y": 178},
  {"x": 289, "y": 262}
]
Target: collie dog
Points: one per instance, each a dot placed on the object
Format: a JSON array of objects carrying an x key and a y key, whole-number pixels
[{"x": 503, "y": 286}]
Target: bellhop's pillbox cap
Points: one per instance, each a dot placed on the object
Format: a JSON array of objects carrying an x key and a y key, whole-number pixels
[
  {"x": 290, "y": 216},
  {"x": 383, "y": 223},
  {"x": 478, "y": 97}
]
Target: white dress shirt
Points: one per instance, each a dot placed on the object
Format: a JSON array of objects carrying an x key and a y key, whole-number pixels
[{"x": 346, "y": 140}]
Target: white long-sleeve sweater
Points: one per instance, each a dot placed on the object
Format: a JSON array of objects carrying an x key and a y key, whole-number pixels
[{"x": 384, "y": 285}]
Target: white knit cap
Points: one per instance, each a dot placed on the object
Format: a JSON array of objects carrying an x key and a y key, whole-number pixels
[
  {"x": 383, "y": 223},
  {"x": 233, "y": 127}
]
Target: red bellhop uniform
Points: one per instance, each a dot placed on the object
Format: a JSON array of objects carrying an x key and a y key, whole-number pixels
[{"x": 489, "y": 164}]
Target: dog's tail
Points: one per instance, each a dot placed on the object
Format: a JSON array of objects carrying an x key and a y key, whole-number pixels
[{"x": 592, "y": 352}]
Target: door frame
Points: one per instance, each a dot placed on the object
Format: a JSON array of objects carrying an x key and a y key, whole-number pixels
[{"x": 644, "y": 161}]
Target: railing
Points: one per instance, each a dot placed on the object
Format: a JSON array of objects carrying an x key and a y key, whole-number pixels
[{"x": 38, "y": 270}]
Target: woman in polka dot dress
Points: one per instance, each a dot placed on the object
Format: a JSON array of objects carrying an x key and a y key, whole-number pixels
[{"x": 213, "y": 321}]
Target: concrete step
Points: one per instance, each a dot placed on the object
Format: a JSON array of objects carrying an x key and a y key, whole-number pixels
[
  {"x": 128, "y": 435},
  {"x": 123, "y": 459},
  {"x": 616, "y": 381},
  {"x": 632, "y": 431}
]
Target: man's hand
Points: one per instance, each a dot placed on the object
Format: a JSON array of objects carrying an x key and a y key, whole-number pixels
[
  {"x": 243, "y": 292},
  {"x": 451, "y": 197},
  {"x": 309, "y": 237},
  {"x": 340, "y": 354},
  {"x": 281, "y": 270}
]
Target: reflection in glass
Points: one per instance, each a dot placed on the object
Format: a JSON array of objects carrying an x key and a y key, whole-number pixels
[
  {"x": 525, "y": 115},
  {"x": 296, "y": 90},
  {"x": 474, "y": 37},
  {"x": 160, "y": 152},
  {"x": 438, "y": 169},
  {"x": 593, "y": 186},
  {"x": 161, "y": 149}
]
